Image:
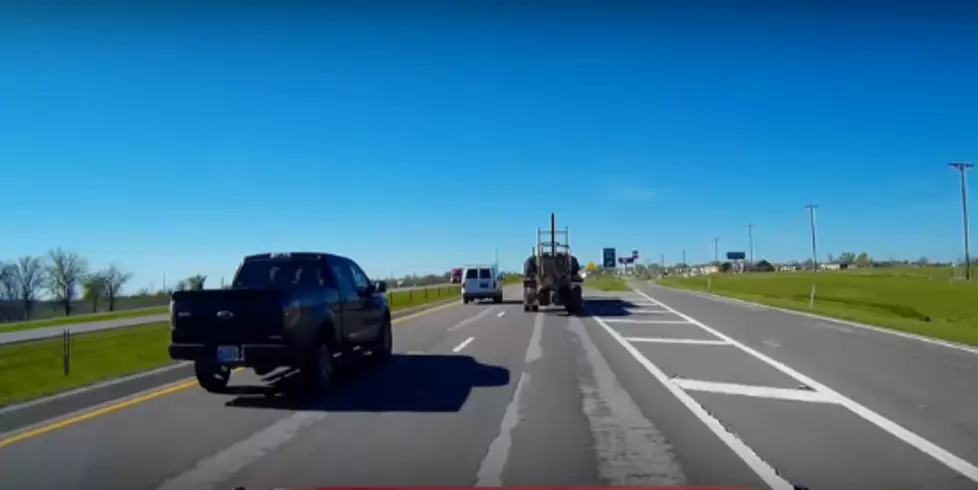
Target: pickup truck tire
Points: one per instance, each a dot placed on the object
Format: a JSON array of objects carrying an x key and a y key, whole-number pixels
[
  {"x": 211, "y": 376},
  {"x": 385, "y": 343},
  {"x": 318, "y": 370}
]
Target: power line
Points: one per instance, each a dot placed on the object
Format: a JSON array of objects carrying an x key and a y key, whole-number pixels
[
  {"x": 811, "y": 219},
  {"x": 963, "y": 168}
]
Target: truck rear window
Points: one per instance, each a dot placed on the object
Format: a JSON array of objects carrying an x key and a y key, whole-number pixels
[
  {"x": 485, "y": 273},
  {"x": 282, "y": 274},
  {"x": 472, "y": 273}
]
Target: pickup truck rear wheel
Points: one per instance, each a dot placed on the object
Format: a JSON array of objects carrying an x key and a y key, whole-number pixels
[
  {"x": 211, "y": 376},
  {"x": 385, "y": 343},
  {"x": 319, "y": 369}
]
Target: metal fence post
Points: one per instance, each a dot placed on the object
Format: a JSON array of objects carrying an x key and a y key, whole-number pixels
[{"x": 66, "y": 341}]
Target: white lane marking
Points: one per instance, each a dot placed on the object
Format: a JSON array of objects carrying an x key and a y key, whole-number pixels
[
  {"x": 535, "y": 350},
  {"x": 629, "y": 320},
  {"x": 501, "y": 313},
  {"x": 742, "y": 450},
  {"x": 757, "y": 306},
  {"x": 463, "y": 344},
  {"x": 630, "y": 449},
  {"x": 645, "y": 311},
  {"x": 214, "y": 471},
  {"x": 491, "y": 469},
  {"x": 664, "y": 340},
  {"x": 933, "y": 450},
  {"x": 770, "y": 343},
  {"x": 752, "y": 390},
  {"x": 470, "y": 319}
]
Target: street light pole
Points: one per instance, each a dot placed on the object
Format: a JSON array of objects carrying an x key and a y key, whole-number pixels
[
  {"x": 811, "y": 219},
  {"x": 716, "y": 251},
  {"x": 963, "y": 167},
  {"x": 750, "y": 241}
]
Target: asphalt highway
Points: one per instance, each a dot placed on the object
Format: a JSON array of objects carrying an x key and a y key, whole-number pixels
[
  {"x": 48, "y": 332},
  {"x": 654, "y": 387}
]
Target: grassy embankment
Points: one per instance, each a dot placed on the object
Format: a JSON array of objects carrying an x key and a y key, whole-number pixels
[
  {"x": 32, "y": 369},
  {"x": 924, "y": 301},
  {"x": 606, "y": 283}
]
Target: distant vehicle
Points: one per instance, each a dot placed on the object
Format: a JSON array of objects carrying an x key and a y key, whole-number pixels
[
  {"x": 481, "y": 282},
  {"x": 456, "y": 276},
  {"x": 552, "y": 275},
  {"x": 304, "y": 310}
]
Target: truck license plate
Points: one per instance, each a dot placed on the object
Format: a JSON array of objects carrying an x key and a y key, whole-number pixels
[
  {"x": 228, "y": 353},
  {"x": 484, "y": 285}
]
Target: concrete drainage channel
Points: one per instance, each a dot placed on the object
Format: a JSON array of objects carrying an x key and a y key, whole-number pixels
[{"x": 16, "y": 417}]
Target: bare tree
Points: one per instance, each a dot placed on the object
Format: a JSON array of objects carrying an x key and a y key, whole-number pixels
[
  {"x": 94, "y": 285},
  {"x": 8, "y": 287},
  {"x": 180, "y": 286},
  {"x": 63, "y": 274},
  {"x": 114, "y": 278},
  {"x": 28, "y": 278},
  {"x": 195, "y": 283}
]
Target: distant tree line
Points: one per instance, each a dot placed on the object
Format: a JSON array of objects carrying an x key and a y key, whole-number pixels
[{"x": 66, "y": 281}]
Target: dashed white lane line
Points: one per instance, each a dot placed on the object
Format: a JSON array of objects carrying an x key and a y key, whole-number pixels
[
  {"x": 629, "y": 320},
  {"x": 463, "y": 344},
  {"x": 470, "y": 319},
  {"x": 666, "y": 340},
  {"x": 940, "y": 454},
  {"x": 742, "y": 450},
  {"x": 751, "y": 390},
  {"x": 501, "y": 313}
]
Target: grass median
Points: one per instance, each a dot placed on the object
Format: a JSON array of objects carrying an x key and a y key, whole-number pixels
[
  {"x": 85, "y": 318},
  {"x": 30, "y": 370},
  {"x": 606, "y": 283},
  {"x": 924, "y": 301}
]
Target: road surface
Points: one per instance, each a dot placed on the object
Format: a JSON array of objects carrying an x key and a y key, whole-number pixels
[
  {"x": 656, "y": 388},
  {"x": 48, "y": 332}
]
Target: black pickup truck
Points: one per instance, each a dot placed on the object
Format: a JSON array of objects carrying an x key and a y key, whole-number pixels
[{"x": 304, "y": 310}]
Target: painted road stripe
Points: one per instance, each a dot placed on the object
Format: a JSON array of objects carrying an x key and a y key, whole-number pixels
[
  {"x": 629, "y": 320},
  {"x": 751, "y": 390},
  {"x": 663, "y": 340},
  {"x": 463, "y": 344},
  {"x": 927, "y": 447},
  {"x": 137, "y": 399},
  {"x": 763, "y": 470}
]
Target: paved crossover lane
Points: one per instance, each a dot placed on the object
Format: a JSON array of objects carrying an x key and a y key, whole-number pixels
[{"x": 663, "y": 389}]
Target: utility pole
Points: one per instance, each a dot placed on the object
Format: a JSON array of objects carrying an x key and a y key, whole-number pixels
[
  {"x": 811, "y": 219},
  {"x": 750, "y": 241},
  {"x": 684, "y": 257},
  {"x": 662, "y": 260},
  {"x": 716, "y": 250},
  {"x": 963, "y": 168}
]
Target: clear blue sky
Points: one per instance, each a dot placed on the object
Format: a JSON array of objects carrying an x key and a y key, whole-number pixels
[{"x": 175, "y": 141}]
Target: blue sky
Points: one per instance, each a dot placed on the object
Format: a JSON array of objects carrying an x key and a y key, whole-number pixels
[{"x": 414, "y": 140}]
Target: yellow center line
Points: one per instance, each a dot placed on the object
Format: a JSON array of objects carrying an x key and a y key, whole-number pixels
[{"x": 28, "y": 434}]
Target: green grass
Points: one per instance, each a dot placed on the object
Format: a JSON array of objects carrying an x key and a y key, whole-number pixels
[
  {"x": 33, "y": 369},
  {"x": 512, "y": 279},
  {"x": 86, "y": 318},
  {"x": 399, "y": 300},
  {"x": 923, "y": 301},
  {"x": 606, "y": 283}
]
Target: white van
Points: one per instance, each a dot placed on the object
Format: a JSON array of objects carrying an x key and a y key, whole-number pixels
[{"x": 481, "y": 282}]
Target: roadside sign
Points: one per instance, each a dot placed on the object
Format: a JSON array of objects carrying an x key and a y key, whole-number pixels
[
  {"x": 736, "y": 255},
  {"x": 609, "y": 258},
  {"x": 591, "y": 267}
]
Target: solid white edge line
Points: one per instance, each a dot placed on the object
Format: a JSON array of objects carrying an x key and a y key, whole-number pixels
[
  {"x": 661, "y": 322},
  {"x": 666, "y": 340},
  {"x": 755, "y": 391},
  {"x": 933, "y": 450},
  {"x": 463, "y": 344},
  {"x": 751, "y": 305},
  {"x": 758, "y": 465}
]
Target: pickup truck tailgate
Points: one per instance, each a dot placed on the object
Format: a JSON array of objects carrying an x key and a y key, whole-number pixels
[{"x": 227, "y": 314}]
